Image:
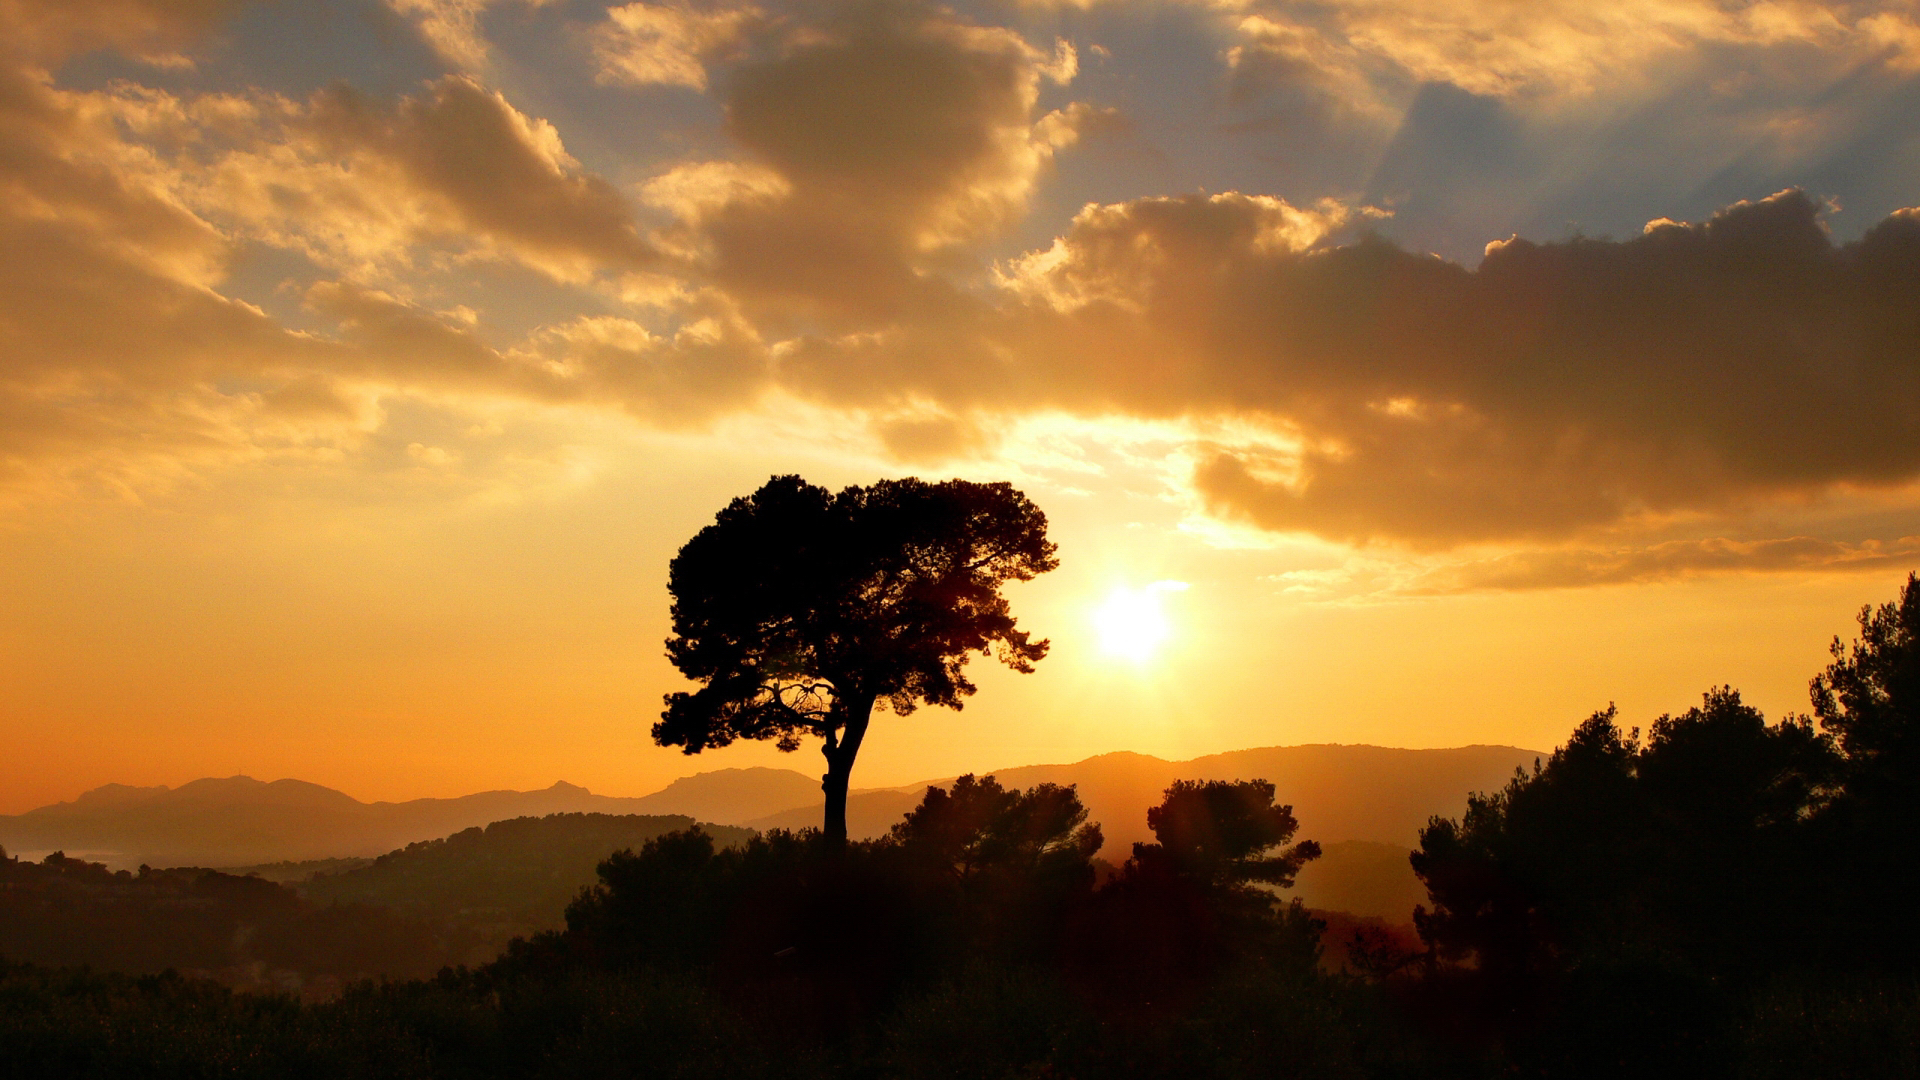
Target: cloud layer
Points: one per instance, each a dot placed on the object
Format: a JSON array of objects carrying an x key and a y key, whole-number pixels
[{"x": 833, "y": 209}]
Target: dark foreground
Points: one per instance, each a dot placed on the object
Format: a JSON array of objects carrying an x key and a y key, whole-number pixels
[
  {"x": 1725, "y": 898},
  {"x": 974, "y": 943},
  {"x": 1258, "y": 1020}
]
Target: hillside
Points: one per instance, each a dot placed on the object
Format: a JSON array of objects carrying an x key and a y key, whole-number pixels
[
  {"x": 242, "y": 931},
  {"x": 239, "y": 821},
  {"x": 1362, "y": 878},
  {"x": 511, "y": 878}
]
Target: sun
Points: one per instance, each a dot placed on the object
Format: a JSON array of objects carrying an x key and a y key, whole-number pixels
[{"x": 1132, "y": 622}]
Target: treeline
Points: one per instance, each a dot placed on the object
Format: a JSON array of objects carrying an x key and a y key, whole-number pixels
[
  {"x": 1648, "y": 885},
  {"x": 973, "y": 941},
  {"x": 406, "y": 914},
  {"x": 242, "y": 931},
  {"x": 511, "y": 878},
  {"x": 1721, "y": 897}
]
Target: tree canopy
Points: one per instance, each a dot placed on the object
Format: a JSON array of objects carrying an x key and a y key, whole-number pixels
[
  {"x": 978, "y": 825},
  {"x": 1870, "y": 695},
  {"x": 1683, "y": 846},
  {"x": 799, "y": 609},
  {"x": 1226, "y": 833}
]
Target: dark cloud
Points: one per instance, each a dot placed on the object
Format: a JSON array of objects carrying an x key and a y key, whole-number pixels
[
  {"x": 896, "y": 137},
  {"x": 841, "y": 249},
  {"x": 48, "y": 31},
  {"x": 1559, "y": 569},
  {"x": 1558, "y": 387}
]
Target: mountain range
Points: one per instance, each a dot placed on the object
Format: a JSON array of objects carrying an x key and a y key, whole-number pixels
[
  {"x": 238, "y": 820},
  {"x": 1340, "y": 793}
]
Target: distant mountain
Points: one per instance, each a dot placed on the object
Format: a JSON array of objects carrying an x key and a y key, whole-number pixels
[
  {"x": 732, "y": 796},
  {"x": 239, "y": 821},
  {"x": 1363, "y": 878},
  {"x": 1339, "y": 793}
]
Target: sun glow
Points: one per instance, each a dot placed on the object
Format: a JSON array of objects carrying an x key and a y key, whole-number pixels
[{"x": 1133, "y": 622}]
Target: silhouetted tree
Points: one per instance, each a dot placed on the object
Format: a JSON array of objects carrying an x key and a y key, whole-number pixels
[
  {"x": 1614, "y": 851},
  {"x": 1000, "y": 872},
  {"x": 1191, "y": 907},
  {"x": 1869, "y": 697},
  {"x": 977, "y": 825},
  {"x": 1731, "y": 800},
  {"x": 1720, "y": 772},
  {"x": 1225, "y": 833},
  {"x": 799, "y": 609}
]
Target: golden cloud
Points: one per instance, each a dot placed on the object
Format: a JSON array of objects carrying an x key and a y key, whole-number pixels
[
  {"x": 1558, "y": 388},
  {"x": 1548, "y": 48},
  {"x": 47, "y": 31},
  {"x": 452, "y": 29},
  {"x": 1583, "y": 567},
  {"x": 873, "y": 148},
  {"x": 1556, "y": 392},
  {"x": 364, "y": 185},
  {"x": 667, "y": 44}
]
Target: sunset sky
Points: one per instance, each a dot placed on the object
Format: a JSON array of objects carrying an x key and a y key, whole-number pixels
[{"x": 1440, "y": 370}]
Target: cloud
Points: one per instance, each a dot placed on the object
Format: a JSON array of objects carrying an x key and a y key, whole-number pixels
[
  {"x": 891, "y": 138},
  {"x": 48, "y": 31},
  {"x": 493, "y": 169},
  {"x": 667, "y": 44},
  {"x": 124, "y": 369},
  {"x": 1559, "y": 569},
  {"x": 1113, "y": 253},
  {"x": 842, "y": 248},
  {"x": 713, "y": 362},
  {"x": 1557, "y": 389},
  {"x": 452, "y": 28},
  {"x": 1549, "y": 49},
  {"x": 368, "y": 186},
  {"x": 111, "y": 333},
  {"x": 1559, "y": 386}
]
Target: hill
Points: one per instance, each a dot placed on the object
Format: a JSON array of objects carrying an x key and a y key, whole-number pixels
[
  {"x": 243, "y": 931},
  {"x": 1364, "y": 878},
  {"x": 731, "y": 796},
  {"x": 511, "y": 878},
  {"x": 240, "y": 821}
]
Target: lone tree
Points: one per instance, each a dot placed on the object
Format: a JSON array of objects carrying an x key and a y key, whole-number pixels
[{"x": 799, "y": 610}]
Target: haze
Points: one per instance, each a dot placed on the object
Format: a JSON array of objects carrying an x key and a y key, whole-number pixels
[{"x": 1473, "y": 366}]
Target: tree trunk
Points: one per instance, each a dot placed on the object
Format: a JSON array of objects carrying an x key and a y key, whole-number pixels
[{"x": 840, "y": 753}]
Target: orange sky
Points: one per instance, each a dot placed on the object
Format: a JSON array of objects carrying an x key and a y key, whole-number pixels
[{"x": 363, "y": 362}]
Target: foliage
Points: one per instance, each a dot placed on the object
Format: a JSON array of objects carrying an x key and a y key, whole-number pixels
[
  {"x": 1225, "y": 833},
  {"x": 1613, "y": 849},
  {"x": 798, "y": 609},
  {"x": 977, "y": 826},
  {"x": 1833, "y": 1029},
  {"x": 246, "y": 931},
  {"x": 513, "y": 877},
  {"x": 1869, "y": 696}
]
